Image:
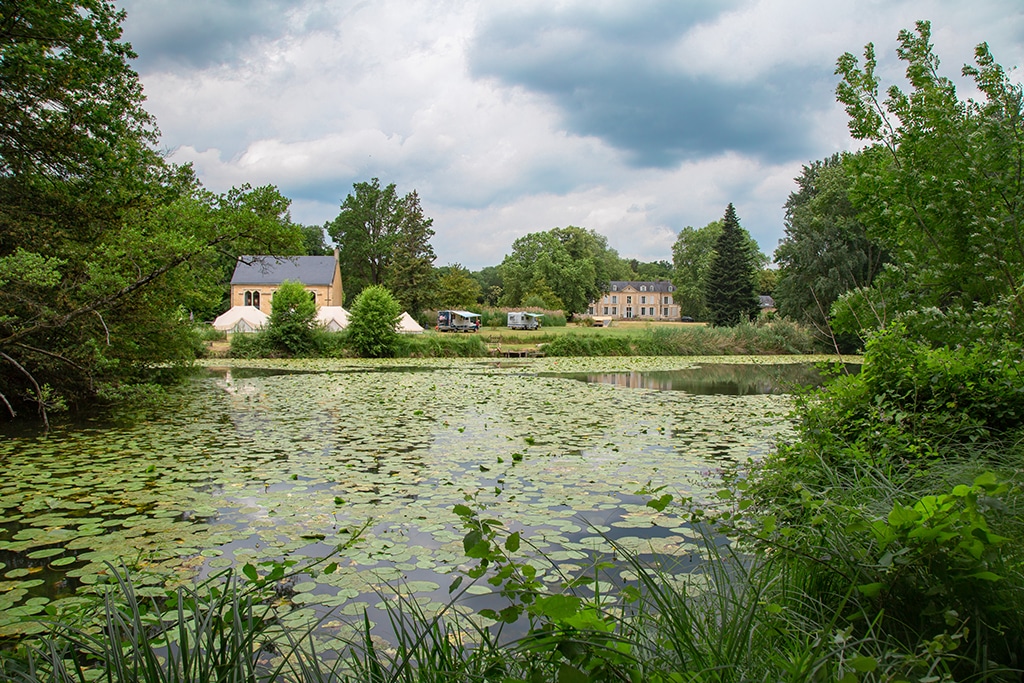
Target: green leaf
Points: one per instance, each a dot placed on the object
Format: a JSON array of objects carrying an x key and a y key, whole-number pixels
[
  {"x": 864, "y": 664},
  {"x": 556, "y": 606},
  {"x": 512, "y": 542},
  {"x": 250, "y": 572},
  {"x": 871, "y": 590}
]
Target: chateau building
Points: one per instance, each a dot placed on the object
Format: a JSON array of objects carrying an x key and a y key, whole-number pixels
[{"x": 627, "y": 299}]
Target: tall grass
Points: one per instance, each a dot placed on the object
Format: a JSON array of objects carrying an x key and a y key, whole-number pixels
[{"x": 761, "y": 338}]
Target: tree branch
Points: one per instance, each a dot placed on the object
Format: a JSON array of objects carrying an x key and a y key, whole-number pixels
[{"x": 39, "y": 391}]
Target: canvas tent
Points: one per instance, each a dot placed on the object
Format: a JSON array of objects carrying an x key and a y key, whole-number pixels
[
  {"x": 333, "y": 318},
  {"x": 406, "y": 325},
  {"x": 241, "y": 319}
]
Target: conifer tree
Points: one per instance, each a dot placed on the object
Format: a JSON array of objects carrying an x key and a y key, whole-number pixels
[{"x": 731, "y": 293}]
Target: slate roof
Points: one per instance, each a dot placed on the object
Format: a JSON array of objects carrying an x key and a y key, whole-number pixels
[
  {"x": 662, "y": 286},
  {"x": 268, "y": 270}
]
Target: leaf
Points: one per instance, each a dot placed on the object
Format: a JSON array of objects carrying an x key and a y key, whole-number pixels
[
  {"x": 864, "y": 664},
  {"x": 250, "y": 572},
  {"x": 512, "y": 542},
  {"x": 871, "y": 590},
  {"x": 660, "y": 504},
  {"x": 556, "y": 606}
]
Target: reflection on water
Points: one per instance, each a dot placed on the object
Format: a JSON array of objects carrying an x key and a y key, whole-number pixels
[{"x": 714, "y": 379}]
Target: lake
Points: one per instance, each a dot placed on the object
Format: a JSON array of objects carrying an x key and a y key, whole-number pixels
[{"x": 257, "y": 461}]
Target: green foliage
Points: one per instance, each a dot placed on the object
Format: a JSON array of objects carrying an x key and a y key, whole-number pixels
[
  {"x": 104, "y": 249},
  {"x": 775, "y": 337},
  {"x": 566, "y": 268},
  {"x": 692, "y": 256},
  {"x": 384, "y": 240},
  {"x": 952, "y": 231},
  {"x": 441, "y": 346},
  {"x": 826, "y": 251},
  {"x": 314, "y": 243},
  {"x": 730, "y": 290},
  {"x": 456, "y": 288},
  {"x": 372, "y": 320},
  {"x": 292, "y": 319}
]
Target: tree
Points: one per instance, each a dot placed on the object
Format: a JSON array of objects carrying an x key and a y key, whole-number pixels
[
  {"x": 292, "y": 318},
  {"x": 384, "y": 239},
  {"x": 653, "y": 271},
  {"x": 492, "y": 286},
  {"x": 104, "y": 248},
  {"x": 692, "y": 256},
  {"x": 940, "y": 187},
  {"x": 572, "y": 264},
  {"x": 372, "y": 323},
  {"x": 313, "y": 241},
  {"x": 456, "y": 288},
  {"x": 731, "y": 292},
  {"x": 826, "y": 251}
]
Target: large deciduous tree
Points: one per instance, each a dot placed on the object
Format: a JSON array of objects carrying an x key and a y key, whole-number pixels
[
  {"x": 826, "y": 251},
  {"x": 384, "y": 239},
  {"x": 103, "y": 247},
  {"x": 940, "y": 188},
  {"x": 731, "y": 288},
  {"x": 457, "y": 288},
  {"x": 573, "y": 264},
  {"x": 692, "y": 255}
]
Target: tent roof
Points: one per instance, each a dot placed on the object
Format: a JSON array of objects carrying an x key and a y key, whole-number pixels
[
  {"x": 328, "y": 313},
  {"x": 408, "y": 325},
  {"x": 250, "y": 314},
  {"x": 270, "y": 270}
]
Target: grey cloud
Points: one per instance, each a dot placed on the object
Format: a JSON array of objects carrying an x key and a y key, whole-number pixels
[
  {"x": 605, "y": 75},
  {"x": 198, "y": 33}
]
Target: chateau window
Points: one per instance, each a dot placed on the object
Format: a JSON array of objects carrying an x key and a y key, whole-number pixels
[
  {"x": 664, "y": 313},
  {"x": 615, "y": 299},
  {"x": 614, "y": 309},
  {"x": 643, "y": 299},
  {"x": 606, "y": 310},
  {"x": 629, "y": 299},
  {"x": 248, "y": 299},
  {"x": 312, "y": 296}
]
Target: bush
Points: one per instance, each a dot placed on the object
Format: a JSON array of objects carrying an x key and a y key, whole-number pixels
[
  {"x": 371, "y": 328},
  {"x": 292, "y": 319}
]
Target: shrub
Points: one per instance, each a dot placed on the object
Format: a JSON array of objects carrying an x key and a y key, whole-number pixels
[
  {"x": 292, "y": 319},
  {"x": 372, "y": 321}
]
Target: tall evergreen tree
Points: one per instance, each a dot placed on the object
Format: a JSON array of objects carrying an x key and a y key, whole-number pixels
[{"x": 731, "y": 293}]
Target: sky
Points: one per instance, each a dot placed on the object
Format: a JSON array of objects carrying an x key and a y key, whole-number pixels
[{"x": 632, "y": 118}]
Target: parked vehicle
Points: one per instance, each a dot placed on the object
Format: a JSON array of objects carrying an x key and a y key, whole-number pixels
[
  {"x": 519, "y": 320},
  {"x": 457, "y": 321}
]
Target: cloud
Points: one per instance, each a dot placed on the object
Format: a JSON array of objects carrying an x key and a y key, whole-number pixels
[
  {"x": 199, "y": 33},
  {"x": 634, "y": 119},
  {"x": 622, "y": 76}
]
